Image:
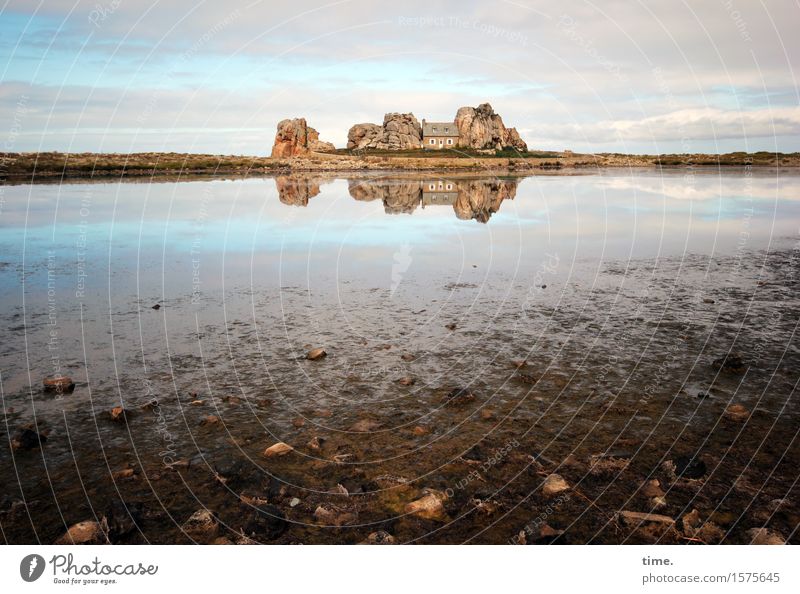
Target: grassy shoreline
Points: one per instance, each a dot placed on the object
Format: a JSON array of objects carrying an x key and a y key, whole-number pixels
[{"x": 106, "y": 165}]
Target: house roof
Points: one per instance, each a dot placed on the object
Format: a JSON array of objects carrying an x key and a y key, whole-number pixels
[{"x": 441, "y": 129}]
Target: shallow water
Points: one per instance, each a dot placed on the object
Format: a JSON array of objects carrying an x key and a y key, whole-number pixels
[{"x": 619, "y": 289}]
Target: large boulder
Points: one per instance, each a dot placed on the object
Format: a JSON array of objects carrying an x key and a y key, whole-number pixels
[
  {"x": 296, "y": 138},
  {"x": 400, "y": 131},
  {"x": 481, "y": 128}
]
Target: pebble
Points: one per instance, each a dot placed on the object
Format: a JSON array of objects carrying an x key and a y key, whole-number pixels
[
  {"x": 60, "y": 385},
  {"x": 201, "y": 527},
  {"x": 298, "y": 422},
  {"x": 736, "y": 413},
  {"x": 119, "y": 414},
  {"x": 429, "y": 506},
  {"x": 88, "y": 532},
  {"x": 365, "y": 426},
  {"x": 764, "y": 536},
  {"x": 652, "y": 488},
  {"x": 632, "y": 517},
  {"x": 278, "y": 449},
  {"x": 553, "y": 485},
  {"x": 294, "y": 502},
  {"x": 406, "y": 381},
  {"x": 316, "y": 443},
  {"x": 379, "y": 538},
  {"x": 317, "y": 353},
  {"x": 419, "y": 431},
  {"x": 487, "y": 414},
  {"x": 209, "y": 420},
  {"x": 452, "y": 326}
]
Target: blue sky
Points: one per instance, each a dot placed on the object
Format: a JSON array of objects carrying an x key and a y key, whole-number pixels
[{"x": 129, "y": 75}]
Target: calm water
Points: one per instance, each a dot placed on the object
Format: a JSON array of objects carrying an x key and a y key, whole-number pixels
[{"x": 620, "y": 289}]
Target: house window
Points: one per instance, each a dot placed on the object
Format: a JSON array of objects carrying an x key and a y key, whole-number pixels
[
  {"x": 449, "y": 141},
  {"x": 433, "y": 141},
  {"x": 431, "y": 187},
  {"x": 434, "y": 128},
  {"x": 449, "y": 186}
]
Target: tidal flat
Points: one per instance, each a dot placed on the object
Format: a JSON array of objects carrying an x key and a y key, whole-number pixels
[{"x": 607, "y": 358}]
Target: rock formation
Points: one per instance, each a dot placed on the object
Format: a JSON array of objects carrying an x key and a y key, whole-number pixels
[
  {"x": 481, "y": 128},
  {"x": 295, "y": 137},
  {"x": 399, "y": 131}
]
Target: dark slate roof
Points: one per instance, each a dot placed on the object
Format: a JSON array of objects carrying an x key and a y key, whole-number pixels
[{"x": 442, "y": 129}]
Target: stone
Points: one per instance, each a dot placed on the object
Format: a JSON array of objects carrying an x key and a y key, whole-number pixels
[
  {"x": 652, "y": 488},
  {"x": 298, "y": 422},
  {"x": 119, "y": 414},
  {"x": 406, "y": 381},
  {"x": 481, "y": 128},
  {"x": 632, "y": 517},
  {"x": 487, "y": 414},
  {"x": 553, "y": 485},
  {"x": 324, "y": 413},
  {"x": 150, "y": 405},
  {"x": 330, "y": 515},
  {"x": 419, "y": 431},
  {"x": 296, "y": 138},
  {"x": 736, "y": 413},
  {"x": 201, "y": 527},
  {"x": 294, "y": 502},
  {"x": 88, "y": 532},
  {"x": 278, "y": 449},
  {"x": 28, "y": 438},
  {"x": 764, "y": 536},
  {"x": 430, "y": 506},
  {"x": 156, "y": 307},
  {"x": 315, "y": 354},
  {"x": 451, "y": 326},
  {"x": 658, "y": 502},
  {"x": 458, "y": 397},
  {"x": 125, "y": 473},
  {"x": 315, "y": 443},
  {"x": 407, "y": 357},
  {"x": 209, "y": 420},
  {"x": 60, "y": 384},
  {"x": 365, "y": 426},
  {"x": 380, "y": 537},
  {"x": 267, "y": 522}
]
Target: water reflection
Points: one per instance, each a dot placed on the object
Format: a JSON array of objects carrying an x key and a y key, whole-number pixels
[{"x": 470, "y": 198}]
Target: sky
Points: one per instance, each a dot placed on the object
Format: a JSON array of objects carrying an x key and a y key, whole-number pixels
[{"x": 216, "y": 77}]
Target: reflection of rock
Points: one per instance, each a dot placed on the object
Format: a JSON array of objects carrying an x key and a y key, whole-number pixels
[
  {"x": 482, "y": 128},
  {"x": 400, "y": 131},
  {"x": 295, "y": 190},
  {"x": 295, "y": 137},
  {"x": 398, "y": 196},
  {"x": 479, "y": 199}
]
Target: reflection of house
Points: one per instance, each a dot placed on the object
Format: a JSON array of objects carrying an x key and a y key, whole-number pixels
[
  {"x": 438, "y": 192},
  {"x": 439, "y": 135}
]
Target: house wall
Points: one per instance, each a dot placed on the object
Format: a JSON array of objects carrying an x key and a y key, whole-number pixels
[{"x": 426, "y": 142}]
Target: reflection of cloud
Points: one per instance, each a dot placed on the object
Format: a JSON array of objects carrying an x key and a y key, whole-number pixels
[{"x": 679, "y": 187}]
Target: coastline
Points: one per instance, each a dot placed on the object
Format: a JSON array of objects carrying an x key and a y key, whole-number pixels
[{"x": 49, "y": 166}]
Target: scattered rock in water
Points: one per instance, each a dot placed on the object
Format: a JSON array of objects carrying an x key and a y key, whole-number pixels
[
  {"x": 28, "y": 438},
  {"x": 652, "y": 488},
  {"x": 157, "y": 306},
  {"x": 380, "y": 537},
  {"x": 150, "y": 405},
  {"x": 315, "y": 354},
  {"x": 602, "y": 464},
  {"x": 209, "y": 420},
  {"x": 736, "y": 413},
  {"x": 330, "y": 515},
  {"x": 197, "y": 402},
  {"x": 430, "y": 506},
  {"x": 316, "y": 443},
  {"x": 658, "y": 502},
  {"x": 553, "y": 485},
  {"x": 731, "y": 362},
  {"x": 119, "y": 414},
  {"x": 419, "y": 431},
  {"x": 764, "y": 536},
  {"x": 703, "y": 395},
  {"x": 365, "y": 426},
  {"x": 519, "y": 363},
  {"x": 278, "y": 449},
  {"x": 707, "y": 300},
  {"x": 690, "y": 467},
  {"x": 88, "y": 532},
  {"x": 125, "y": 473},
  {"x": 60, "y": 385},
  {"x": 267, "y": 522},
  {"x": 201, "y": 527},
  {"x": 487, "y": 414},
  {"x": 406, "y": 381},
  {"x": 630, "y": 518},
  {"x": 294, "y": 502},
  {"x": 407, "y": 357},
  {"x": 458, "y": 397},
  {"x": 298, "y": 422},
  {"x": 451, "y": 326}
]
